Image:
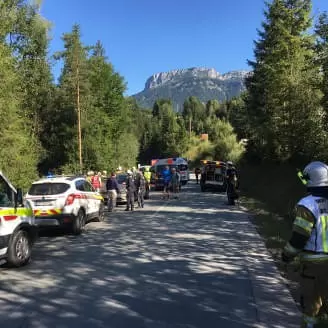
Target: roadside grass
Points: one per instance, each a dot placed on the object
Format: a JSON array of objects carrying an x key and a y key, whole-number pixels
[{"x": 270, "y": 193}]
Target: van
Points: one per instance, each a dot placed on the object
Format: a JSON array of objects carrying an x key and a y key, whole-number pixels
[
  {"x": 213, "y": 175},
  {"x": 179, "y": 163}
]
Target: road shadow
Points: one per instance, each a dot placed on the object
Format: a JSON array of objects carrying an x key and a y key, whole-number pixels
[{"x": 190, "y": 264}]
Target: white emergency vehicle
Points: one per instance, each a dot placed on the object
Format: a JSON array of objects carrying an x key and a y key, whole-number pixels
[
  {"x": 17, "y": 226},
  {"x": 213, "y": 175},
  {"x": 65, "y": 202},
  {"x": 180, "y": 163}
]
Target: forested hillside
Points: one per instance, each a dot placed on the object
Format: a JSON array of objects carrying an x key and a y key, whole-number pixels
[{"x": 85, "y": 122}]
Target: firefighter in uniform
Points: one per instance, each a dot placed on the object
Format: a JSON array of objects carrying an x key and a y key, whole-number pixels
[
  {"x": 130, "y": 191},
  {"x": 310, "y": 240},
  {"x": 232, "y": 184}
]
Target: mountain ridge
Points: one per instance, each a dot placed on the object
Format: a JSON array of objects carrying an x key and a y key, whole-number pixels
[{"x": 179, "y": 84}]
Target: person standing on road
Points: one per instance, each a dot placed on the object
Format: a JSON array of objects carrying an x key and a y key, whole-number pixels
[
  {"x": 175, "y": 182},
  {"x": 141, "y": 188},
  {"x": 197, "y": 173},
  {"x": 310, "y": 240},
  {"x": 96, "y": 182},
  {"x": 147, "y": 175},
  {"x": 166, "y": 174},
  {"x": 232, "y": 184},
  {"x": 112, "y": 191},
  {"x": 130, "y": 191}
]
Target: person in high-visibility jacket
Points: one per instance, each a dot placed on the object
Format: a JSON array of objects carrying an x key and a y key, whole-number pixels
[
  {"x": 147, "y": 175},
  {"x": 310, "y": 240}
]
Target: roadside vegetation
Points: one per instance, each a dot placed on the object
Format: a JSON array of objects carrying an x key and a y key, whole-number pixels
[{"x": 83, "y": 121}]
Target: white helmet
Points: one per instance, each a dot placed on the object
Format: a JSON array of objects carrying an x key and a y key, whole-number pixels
[
  {"x": 316, "y": 174},
  {"x": 129, "y": 172}
]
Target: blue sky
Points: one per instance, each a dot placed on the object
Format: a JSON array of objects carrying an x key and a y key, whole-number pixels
[{"x": 143, "y": 37}]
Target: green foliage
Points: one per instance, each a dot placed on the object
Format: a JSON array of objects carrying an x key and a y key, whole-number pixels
[
  {"x": 18, "y": 157},
  {"x": 283, "y": 104},
  {"x": 283, "y": 113},
  {"x": 194, "y": 114},
  {"x": 19, "y": 147},
  {"x": 226, "y": 145},
  {"x": 164, "y": 134},
  {"x": 321, "y": 29}
]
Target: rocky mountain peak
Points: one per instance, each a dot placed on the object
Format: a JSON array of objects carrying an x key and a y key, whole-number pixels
[
  {"x": 160, "y": 79},
  {"x": 204, "y": 83}
]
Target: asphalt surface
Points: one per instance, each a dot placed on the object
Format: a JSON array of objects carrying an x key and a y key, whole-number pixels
[{"x": 188, "y": 263}]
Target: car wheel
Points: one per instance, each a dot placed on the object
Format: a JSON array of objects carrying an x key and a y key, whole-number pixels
[
  {"x": 79, "y": 223},
  {"x": 101, "y": 216},
  {"x": 20, "y": 249}
]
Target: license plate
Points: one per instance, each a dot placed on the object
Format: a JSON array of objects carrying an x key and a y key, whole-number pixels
[{"x": 43, "y": 203}]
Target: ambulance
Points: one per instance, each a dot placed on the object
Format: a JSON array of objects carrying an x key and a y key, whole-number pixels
[
  {"x": 158, "y": 165},
  {"x": 213, "y": 175},
  {"x": 17, "y": 225}
]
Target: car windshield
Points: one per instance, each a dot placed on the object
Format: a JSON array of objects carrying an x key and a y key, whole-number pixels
[
  {"x": 48, "y": 188},
  {"x": 121, "y": 178},
  {"x": 160, "y": 168}
]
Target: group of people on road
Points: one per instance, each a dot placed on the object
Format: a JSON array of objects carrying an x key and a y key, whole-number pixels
[
  {"x": 137, "y": 186},
  {"x": 309, "y": 238},
  {"x": 95, "y": 178},
  {"x": 172, "y": 182}
]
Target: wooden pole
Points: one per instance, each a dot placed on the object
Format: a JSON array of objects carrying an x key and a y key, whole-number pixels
[{"x": 79, "y": 119}]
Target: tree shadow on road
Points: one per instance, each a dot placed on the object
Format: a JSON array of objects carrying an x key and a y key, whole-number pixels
[{"x": 192, "y": 264}]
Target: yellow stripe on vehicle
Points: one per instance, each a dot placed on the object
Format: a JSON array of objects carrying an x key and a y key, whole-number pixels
[
  {"x": 17, "y": 211},
  {"x": 304, "y": 224},
  {"x": 53, "y": 211}
]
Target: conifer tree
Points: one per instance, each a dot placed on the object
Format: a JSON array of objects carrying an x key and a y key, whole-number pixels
[{"x": 283, "y": 103}]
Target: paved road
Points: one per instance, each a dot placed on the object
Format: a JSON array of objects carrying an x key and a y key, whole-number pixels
[{"x": 191, "y": 263}]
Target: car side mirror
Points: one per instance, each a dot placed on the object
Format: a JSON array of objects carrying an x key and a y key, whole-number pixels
[{"x": 19, "y": 197}]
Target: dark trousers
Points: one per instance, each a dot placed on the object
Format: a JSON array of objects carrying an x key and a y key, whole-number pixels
[
  {"x": 197, "y": 178},
  {"x": 141, "y": 198},
  {"x": 231, "y": 193},
  {"x": 147, "y": 191},
  {"x": 130, "y": 200}
]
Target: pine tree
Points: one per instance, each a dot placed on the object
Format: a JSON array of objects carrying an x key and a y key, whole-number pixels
[
  {"x": 73, "y": 100},
  {"x": 18, "y": 156},
  {"x": 283, "y": 102},
  {"x": 322, "y": 60},
  {"x": 109, "y": 120}
]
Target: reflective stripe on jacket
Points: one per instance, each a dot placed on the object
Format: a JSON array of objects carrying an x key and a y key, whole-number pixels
[{"x": 318, "y": 231}]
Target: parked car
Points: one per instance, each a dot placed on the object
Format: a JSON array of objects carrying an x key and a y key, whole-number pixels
[
  {"x": 65, "y": 202},
  {"x": 17, "y": 227},
  {"x": 121, "y": 179}
]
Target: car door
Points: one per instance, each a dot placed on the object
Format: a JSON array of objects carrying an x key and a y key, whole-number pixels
[
  {"x": 9, "y": 218},
  {"x": 84, "y": 201},
  {"x": 93, "y": 201}
]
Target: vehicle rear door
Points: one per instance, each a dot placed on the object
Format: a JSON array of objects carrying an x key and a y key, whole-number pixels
[
  {"x": 85, "y": 202},
  {"x": 93, "y": 199},
  {"x": 9, "y": 218},
  {"x": 48, "y": 198}
]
